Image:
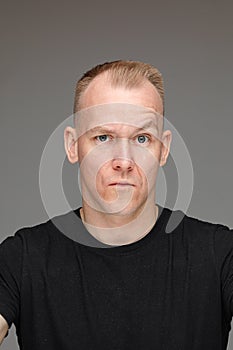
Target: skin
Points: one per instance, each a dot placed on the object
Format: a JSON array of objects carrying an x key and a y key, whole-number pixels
[
  {"x": 3, "y": 328},
  {"x": 98, "y": 92}
]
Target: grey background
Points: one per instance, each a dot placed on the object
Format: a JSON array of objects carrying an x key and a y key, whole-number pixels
[{"x": 47, "y": 45}]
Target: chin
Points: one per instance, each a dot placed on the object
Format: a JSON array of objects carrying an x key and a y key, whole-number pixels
[
  {"x": 130, "y": 210},
  {"x": 124, "y": 207}
]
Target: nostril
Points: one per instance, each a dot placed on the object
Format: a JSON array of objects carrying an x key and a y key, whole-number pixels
[{"x": 122, "y": 164}]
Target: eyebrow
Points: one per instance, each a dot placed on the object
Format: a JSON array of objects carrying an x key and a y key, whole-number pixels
[
  {"x": 104, "y": 129},
  {"x": 100, "y": 129}
]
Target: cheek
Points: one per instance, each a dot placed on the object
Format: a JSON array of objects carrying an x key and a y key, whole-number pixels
[
  {"x": 148, "y": 172},
  {"x": 103, "y": 177},
  {"x": 156, "y": 148},
  {"x": 104, "y": 174},
  {"x": 84, "y": 148}
]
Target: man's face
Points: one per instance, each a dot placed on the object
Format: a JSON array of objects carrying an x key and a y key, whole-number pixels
[{"x": 130, "y": 169}]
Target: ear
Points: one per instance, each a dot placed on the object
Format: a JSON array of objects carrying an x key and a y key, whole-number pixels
[
  {"x": 71, "y": 144},
  {"x": 165, "y": 149}
]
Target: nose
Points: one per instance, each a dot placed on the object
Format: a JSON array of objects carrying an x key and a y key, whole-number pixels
[
  {"x": 122, "y": 164},
  {"x": 122, "y": 156}
]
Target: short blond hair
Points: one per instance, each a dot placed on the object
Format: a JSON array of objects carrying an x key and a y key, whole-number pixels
[{"x": 128, "y": 74}]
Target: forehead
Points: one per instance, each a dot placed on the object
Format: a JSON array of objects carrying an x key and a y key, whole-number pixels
[
  {"x": 100, "y": 91},
  {"x": 117, "y": 116}
]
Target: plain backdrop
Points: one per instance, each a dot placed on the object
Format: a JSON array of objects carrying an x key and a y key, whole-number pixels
[{"x": 47, "y": 45}]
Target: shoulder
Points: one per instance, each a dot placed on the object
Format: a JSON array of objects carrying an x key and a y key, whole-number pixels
[
  {"x": 38, "y": 236},
  {"x": 195, "y": 226},
  {"x": 204, "y": 235},
  {"x": 203, "y": 240},
  {"x": 194, "y": 229},
  {"x": 26, "y": 234},
  {"x": 178, "y": 221},
  {"x": 198, "y": 226},
  {"x": 202, "y": 228}
]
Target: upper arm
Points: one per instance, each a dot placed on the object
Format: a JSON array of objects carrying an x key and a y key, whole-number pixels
[
  {"x": 10, "y": 279},
  {"x": 224, "y": 261},
  {"x": 3, "y": 328}
]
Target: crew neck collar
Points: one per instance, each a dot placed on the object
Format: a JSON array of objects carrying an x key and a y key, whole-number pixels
[{"x": 99, "y": 247}]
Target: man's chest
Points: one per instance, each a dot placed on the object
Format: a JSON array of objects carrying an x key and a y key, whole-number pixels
[{"x": 137, "y": 302}]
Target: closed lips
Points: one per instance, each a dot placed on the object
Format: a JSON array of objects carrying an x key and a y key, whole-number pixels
[{"x": 121, "y": 184}]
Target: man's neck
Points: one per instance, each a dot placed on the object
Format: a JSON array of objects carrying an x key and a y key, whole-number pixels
[{"x": 119, "y": 229}]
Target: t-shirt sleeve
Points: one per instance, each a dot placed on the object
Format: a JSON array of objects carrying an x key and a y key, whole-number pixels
[
  {"x": 10, "y": 277},
  {"x": 223, "y": 245}
]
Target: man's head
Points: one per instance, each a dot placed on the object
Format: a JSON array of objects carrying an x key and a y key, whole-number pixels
[
  {"x": 120, "y": 74},
  {"x": 122, "y": 160}
]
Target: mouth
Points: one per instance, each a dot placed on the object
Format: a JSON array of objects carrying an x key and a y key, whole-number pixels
[{"x": 121, "y": 184}]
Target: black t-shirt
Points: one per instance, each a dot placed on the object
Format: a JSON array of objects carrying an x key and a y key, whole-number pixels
[{"x": 166, "y": 291}]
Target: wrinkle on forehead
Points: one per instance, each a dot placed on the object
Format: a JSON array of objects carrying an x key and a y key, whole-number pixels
[{"x": 99, "y": 116}]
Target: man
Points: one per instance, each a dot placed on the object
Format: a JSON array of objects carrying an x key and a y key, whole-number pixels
[{"x": 122, "y": 283}]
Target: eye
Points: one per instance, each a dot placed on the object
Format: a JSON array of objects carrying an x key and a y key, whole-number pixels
[
  {"x": 142, "y": 139},
  {"x": 102, "y": 138}
]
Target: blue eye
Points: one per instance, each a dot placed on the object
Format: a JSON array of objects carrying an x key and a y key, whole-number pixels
[
  {"x": 102, "y": 138},
  {"x": 142, "y": 138}
]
